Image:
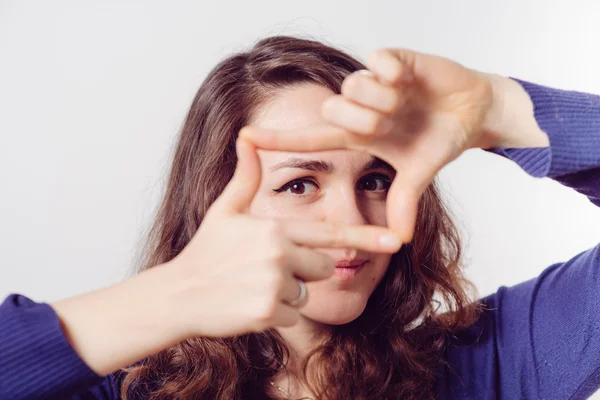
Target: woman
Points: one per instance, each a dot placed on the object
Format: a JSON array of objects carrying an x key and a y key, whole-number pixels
[{"x": 224, "y": 311}]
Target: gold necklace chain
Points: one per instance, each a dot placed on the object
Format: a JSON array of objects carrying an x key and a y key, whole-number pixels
[{"x": 288, "y": 394}]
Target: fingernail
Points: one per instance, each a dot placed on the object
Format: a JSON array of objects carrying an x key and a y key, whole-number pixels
[
  {"x": 390, "y": 241},
  {"x": 365, "y": 72}
]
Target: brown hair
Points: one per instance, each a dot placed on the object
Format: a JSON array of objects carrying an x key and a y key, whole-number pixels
[{"x": 392, "y": 350}]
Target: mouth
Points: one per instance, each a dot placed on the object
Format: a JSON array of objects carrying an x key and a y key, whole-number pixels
[{"x": 348, "y": 269}]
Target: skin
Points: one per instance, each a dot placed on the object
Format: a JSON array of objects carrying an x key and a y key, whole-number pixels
[
  {"x": 346, "y": 193},
  {"x": 335, "y": 195},
  {"x": 247, "y": 254},
  {"x": 418, "y": 112},
  {"x": 373, "y": 114}
]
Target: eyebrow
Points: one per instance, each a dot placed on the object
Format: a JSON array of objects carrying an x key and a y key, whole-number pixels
[
  {"x": 326, "y": 166},
  {"x": 377, "y": 163},
  {"x": 300, "y": 163}
]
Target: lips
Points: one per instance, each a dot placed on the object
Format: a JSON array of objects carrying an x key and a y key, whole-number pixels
[
  {"x": 348, "y": 269},
  {"x": 356, "y": 262}
]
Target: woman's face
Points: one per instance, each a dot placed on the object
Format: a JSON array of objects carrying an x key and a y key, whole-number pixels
[{"x": 343, "y": 186}]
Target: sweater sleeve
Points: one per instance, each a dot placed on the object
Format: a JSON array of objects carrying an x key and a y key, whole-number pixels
[
  {"x": 572, "y": 122},
  {"x": 541, "y": 339},
  {"x": 37, "y": 361}
]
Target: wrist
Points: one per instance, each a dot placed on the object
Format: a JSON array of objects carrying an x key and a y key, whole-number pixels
[
  {"x": 510, "y": 121},
  {"x": 121, "y": 324},
  {"x": 165, "y": 283}
]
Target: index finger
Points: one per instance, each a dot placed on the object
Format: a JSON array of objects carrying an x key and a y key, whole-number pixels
[
  {"x": 315, "y": 138},
  {"x": 328, "y": 234}
]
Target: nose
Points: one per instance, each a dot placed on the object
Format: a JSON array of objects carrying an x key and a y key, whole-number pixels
[{"x": 341, "y": 205}]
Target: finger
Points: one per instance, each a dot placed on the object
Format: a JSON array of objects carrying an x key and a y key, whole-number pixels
[
  {"x": 291, "y": 291},
  {"x": 394, "y": 67},
  {"x": 364, "y": 89},
  {"x": 286, "y": 315},
  {"x": 403, "y": 199},
  {"x": 402, "y": 210},
  {"x": 355, "y": 118},
  {"x": 316, "y": 138},
  {"x": 308, "y": 264},
  {"x": 242, "y": 187},
  {"x": 326, "y": 234}
]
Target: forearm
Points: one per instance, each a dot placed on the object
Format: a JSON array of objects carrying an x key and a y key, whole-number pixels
[
  {"x": 570, "y": 122},
  {"x": 116, "y": 326}
]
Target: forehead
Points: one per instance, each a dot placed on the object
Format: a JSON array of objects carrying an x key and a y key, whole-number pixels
[
  {"x": 294, "y": 107},
  {"x": 299, "y": 107}
]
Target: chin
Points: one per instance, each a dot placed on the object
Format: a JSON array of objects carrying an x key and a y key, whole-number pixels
[{"x": 336, "y": 309}]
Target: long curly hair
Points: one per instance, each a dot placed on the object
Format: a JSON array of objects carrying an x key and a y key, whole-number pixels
[{"x": 393, "y": 350}]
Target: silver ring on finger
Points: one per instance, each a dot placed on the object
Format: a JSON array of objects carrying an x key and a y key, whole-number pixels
[{"x": 301, "y": 299}]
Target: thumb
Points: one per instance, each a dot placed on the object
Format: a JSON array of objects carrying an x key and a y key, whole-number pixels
[
  {"x": 403, "y": 199},
  {"x": 241, "y": 189},
  {"x": 402, "y": 203}
]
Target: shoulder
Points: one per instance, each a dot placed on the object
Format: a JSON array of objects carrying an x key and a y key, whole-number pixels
[
  {"x": 108, "y": 389},
  {"x": 485, "y": 356}
]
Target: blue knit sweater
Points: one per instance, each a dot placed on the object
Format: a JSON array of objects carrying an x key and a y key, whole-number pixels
[{"x": 537, "y": 340}]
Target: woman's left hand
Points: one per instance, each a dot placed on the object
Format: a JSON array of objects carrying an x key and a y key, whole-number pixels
[{"x": 417, "y": 112}]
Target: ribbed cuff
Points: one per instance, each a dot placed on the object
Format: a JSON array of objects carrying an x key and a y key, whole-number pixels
[
  {"x": 572, "y": 122},
  {"x": 36, "y": 359},
  {"x": 534, "y": 161}
]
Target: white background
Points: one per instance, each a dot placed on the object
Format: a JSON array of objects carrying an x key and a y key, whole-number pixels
[{"x": 92, "y": 95}]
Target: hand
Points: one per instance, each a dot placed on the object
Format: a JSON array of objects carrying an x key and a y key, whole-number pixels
[
  {"x": 418, "y": 113},
  {"x": 235, "y": 276},
  {"x": 239, "y": 272}
]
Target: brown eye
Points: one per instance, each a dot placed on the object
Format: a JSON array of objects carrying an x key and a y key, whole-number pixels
[
  {"x": 299, "y": 187},
  {"x": 374, "y": 183}
]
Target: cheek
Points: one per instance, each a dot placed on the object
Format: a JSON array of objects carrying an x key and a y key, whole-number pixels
[
  {"x": 375, "y": 273},
  {"x": 374, "y": 211},
  {"x": 270, "y": 207},
  {"x": 381, "y": 263}
]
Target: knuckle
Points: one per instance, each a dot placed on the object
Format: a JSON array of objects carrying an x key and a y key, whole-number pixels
[
  {"x": 265, "y": 312},
  {"x": 394, "y": 103},
  {"x": 395, "y": 71},
  {"x": 374, "y": 122},
  {"x": 276, "y": 254},
  {"x": 274, "y": 279}
]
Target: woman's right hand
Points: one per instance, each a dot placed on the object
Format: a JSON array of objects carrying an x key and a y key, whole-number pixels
[
  {"x": 235, "y": 276},
  {"x": 239, "y": 272}
]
